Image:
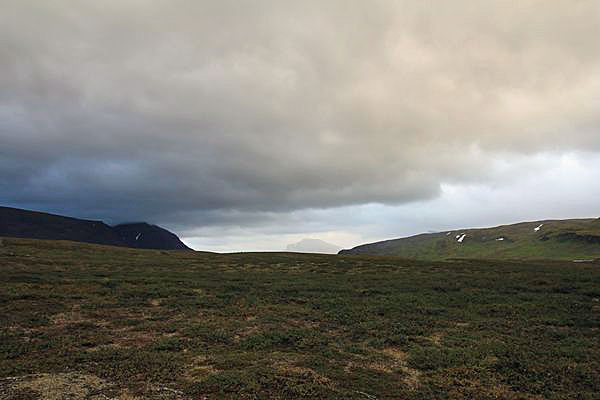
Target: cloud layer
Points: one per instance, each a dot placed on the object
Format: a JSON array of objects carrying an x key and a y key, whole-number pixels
[{"x": 205, "y": 112}]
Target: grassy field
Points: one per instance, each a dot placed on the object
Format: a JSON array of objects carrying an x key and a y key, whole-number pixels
[{"x": 94, "y": 322}]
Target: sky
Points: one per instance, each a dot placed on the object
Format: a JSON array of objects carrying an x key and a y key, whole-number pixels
[{"x": 250, "y": 125}]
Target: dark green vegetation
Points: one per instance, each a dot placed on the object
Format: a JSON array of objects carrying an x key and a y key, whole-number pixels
[
  {"x": 559, "y": 240},
  {"x": 105, "y": 322}
]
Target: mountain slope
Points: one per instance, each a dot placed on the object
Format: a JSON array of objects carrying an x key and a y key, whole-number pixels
[
  {"x": 15, "y": 222},
  {"x": 556, "y": 239},
  {"x": 145, "y": 236},
  {"x": 19, "y": 223}
]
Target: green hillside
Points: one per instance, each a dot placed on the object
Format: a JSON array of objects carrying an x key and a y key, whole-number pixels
[{"x": 574, "y": 239}]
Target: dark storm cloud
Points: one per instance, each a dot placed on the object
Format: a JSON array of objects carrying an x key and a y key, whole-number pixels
[{"x": 178, "y": 111}]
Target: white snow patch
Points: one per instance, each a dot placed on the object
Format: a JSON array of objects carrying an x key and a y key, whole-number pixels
[
  {"x": 460, "y": 239},
  {"x": 500, "y": 239},
  {"x": 457, "y": 236},
  {"x": 138, "y": 236},
  {"x": 448, "y": 234},
  {"x": 538, "y": 228}
]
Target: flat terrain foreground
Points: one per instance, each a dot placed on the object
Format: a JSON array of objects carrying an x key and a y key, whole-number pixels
[{"x": 91, "y": 322}]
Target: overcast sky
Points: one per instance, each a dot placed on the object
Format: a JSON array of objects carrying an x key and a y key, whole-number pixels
[{"x": 249, "y": 125}]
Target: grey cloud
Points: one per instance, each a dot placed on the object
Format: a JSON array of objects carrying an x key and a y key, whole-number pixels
[
  {"x": 566, "y": 188},
  {"x": 182, "y": 111}
]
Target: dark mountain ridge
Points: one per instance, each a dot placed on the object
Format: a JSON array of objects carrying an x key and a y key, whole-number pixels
[{"x": 20, "y": 223}]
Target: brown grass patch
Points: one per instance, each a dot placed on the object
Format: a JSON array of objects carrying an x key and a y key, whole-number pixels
[
  {"x": 396, "y": 354},
  {"x": 294, "y": 370},
  {"x": 135, "y": 339},
  {"x": 156, "y": 302},
  {"x": 473, "y": 388},
  {"x": 199, "y": 368},
  {"x": 247, "y": 331},
  {"x": 60, "y": 386},
  {"x": 411, "y": 378},
  {"x": 126, "y": 395},
  {"x": 381, "y": 366},
  {"x": 436, "y": 338},
  {"x": 70, "y": 317},
  {"x": 109, "y": 346},
  {"x": 304, "y": 324}
]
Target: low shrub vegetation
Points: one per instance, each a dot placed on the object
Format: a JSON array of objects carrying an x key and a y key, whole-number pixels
[{"x": 154, "y": 324}]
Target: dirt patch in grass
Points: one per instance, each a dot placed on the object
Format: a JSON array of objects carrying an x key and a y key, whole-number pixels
[
  {"x": 411, "y": 375},
  {"x": 55, "y": 386},
  {"x": 76, "y": 386},
  {"x": 474, "y": 388},
  {"x": 436, "y": 338},
  {"x": 199, "y": 368},
  {"x": 102, "y": 347},
  {"x": 397, "y": 354},
  {"x": 70, "y": 317},
  {"x": 156, "y": 302},
  {"x": 249, "y": 331},
  {"x": 380, "y": 366},
  {"x": 291, "y": 370},
  {"x": 412, "y": 378},
  {"x": 301, "y": 323},
  {"x": 394, "y": 361},
  {"x": 135, "y": 339}
]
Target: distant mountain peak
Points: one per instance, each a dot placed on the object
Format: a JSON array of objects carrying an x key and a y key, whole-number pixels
[{"x": 310, "y": 245}]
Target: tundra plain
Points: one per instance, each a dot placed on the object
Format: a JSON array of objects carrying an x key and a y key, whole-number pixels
[{"x": 84, "y": 321}]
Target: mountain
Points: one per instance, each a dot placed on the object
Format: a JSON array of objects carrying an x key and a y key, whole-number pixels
[
  {"x": 145, "y": 236},
  {"x": 572, "y": 239},
  {"x": 313, "y": 246},
  {"x": 15, "y": 222}
]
